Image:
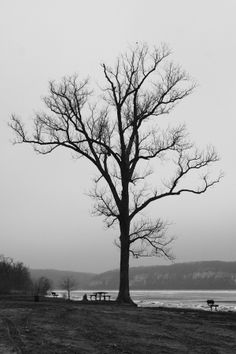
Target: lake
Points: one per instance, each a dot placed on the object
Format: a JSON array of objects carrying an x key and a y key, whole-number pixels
[{"x": 226, "y": 299}]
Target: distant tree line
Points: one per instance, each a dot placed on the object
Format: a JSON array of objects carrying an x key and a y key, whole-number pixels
[{"x": 15, "y": 278}]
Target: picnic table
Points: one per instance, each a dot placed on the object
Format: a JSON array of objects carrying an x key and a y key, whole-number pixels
[
  {"x": 100, "y": 295},
  {"x": 211, "y": 304}
]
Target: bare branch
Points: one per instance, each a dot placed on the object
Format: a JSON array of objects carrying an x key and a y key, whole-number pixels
[
  {"x": 104, "y": 205},
  {"x": 187, "y": 164},
  {"x": 150, "y": 239}
]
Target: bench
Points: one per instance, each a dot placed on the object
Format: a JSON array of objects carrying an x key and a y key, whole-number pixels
[
  {"x": 54, "y": 294},
  {"x": 211, "y": 304}
]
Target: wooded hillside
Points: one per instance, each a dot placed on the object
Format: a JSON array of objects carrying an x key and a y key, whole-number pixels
[{"x": 204, "y": 275}]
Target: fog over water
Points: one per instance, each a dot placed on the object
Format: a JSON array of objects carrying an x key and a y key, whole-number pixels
[{"x": 45, "y": 214}]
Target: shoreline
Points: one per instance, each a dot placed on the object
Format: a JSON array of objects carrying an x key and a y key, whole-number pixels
[{"x": 223, "y": 305}]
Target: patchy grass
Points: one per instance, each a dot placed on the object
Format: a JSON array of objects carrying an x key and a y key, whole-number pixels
[{"x": 72, "y": 327}]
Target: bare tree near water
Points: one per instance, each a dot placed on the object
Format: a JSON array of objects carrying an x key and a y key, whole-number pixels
[
  {"x": 41, "y": 286},
  {"x": 68, "y": 284},
  {"x": 122, "y": 133}
]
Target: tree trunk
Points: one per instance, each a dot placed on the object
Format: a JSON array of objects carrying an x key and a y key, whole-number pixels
[{"x": 124, "y": 293}]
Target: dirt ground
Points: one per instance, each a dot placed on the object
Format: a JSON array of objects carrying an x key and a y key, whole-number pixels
[{"x": 72, "y": 327}]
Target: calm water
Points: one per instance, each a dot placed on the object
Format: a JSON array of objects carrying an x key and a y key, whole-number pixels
[{"x": 183, "y": 299}]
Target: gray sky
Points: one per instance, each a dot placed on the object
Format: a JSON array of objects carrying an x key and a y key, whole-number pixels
[{"x": 45, "y": 216}]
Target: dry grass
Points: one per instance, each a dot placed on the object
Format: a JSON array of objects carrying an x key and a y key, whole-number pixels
[{"x": 68, "y": 327}]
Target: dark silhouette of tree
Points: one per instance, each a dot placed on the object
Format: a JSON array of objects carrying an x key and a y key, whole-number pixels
[
  {"x": 41, "y": 286},
  {"x": 68, "y": 284},
  {"x": 121, "y": 133},
  {"x": 14, "y": 276}
]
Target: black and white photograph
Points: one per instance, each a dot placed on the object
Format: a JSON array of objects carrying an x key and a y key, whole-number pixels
[{"x": 117, "y": 177}]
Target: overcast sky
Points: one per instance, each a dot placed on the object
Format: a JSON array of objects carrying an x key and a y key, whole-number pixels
[{"x": 45, "y": 215}]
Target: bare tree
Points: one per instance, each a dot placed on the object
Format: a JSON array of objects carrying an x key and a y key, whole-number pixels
[
  {"x": 121, "y": 133},
  {"x": 68, "y": 284},
  {"x": 41, "y": 286}
]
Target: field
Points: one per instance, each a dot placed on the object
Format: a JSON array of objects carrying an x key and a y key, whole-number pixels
[{"x": 56, "y": 326}]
